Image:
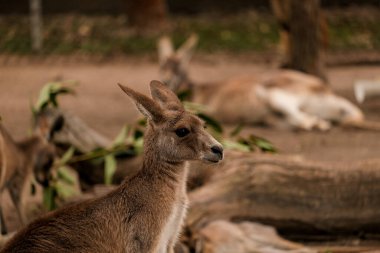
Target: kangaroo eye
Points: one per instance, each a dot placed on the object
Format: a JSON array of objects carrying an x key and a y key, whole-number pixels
[{"x": 182, "y": 132}]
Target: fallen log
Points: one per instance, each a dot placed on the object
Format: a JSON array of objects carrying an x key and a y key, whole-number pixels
[
  {"x": 291, "y": 194},
  {"x": 224, "y": 237},
  {"x": 75, "y": 132}
]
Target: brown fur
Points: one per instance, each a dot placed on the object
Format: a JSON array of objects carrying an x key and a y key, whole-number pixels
[
  {"x": 291, "y": 80},
  {"x": 133, "y": 217},
  {"x": 283, "y": 98},
  {"x": 18, "y": 162}
]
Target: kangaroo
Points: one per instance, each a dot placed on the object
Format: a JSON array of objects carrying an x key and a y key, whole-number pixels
[
  {"x": 145, "y": 213},
  {"x": 20, "y": 161},
  {"x": 305, "y": 101}
]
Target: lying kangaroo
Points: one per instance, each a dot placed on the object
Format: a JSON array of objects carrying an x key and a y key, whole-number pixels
[
  {"x": 305, "y": 101},
  {"x": 20, "y": 161},
  {"x": 145, "y": 213}
]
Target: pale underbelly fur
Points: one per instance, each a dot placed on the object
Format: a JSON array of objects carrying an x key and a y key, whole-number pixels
[{"x": 173, "y": 226}]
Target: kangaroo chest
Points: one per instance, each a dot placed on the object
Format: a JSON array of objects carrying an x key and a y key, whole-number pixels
[{"x": 173, "y": 224}]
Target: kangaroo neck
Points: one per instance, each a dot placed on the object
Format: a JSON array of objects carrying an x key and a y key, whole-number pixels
[{"x": 156, "y": 166}]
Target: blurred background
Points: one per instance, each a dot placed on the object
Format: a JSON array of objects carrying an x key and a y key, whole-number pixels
[
  {"x": 100, "y": 43},
  {"x": 114, "y": 28},
  {"x": 109, "y": 27}
]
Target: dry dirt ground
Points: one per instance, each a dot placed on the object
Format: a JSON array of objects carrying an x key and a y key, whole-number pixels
[{"x": 101, "y": 103}]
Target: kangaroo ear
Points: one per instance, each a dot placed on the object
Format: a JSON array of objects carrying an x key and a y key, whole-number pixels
[
  {"x": 147, "y": 106},
  {"x": 48, "y": 123},
  {"x": 185, "y": 52},
  {"x": 57, "y": 126},
  {"x": 164, "y": 96},
  {"x": 165, "y": 49}
]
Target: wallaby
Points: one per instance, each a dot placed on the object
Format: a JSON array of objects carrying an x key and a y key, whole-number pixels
[
  {"x": 144, "y": 214},
  {"x": 305, "y": 101},
  {"x": 20, "y": 161}
]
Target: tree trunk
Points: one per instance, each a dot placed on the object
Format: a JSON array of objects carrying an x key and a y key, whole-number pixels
[
  {"x": 36, "y": 24},
  {"x": 147, "y": 15},
  {"x": 302, "y": 31},
  {"x": 295, "y": 196}
]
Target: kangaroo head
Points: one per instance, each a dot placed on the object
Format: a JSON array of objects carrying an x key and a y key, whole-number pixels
[
  {"x": 43, "y": 154},
  {"x": 173, "y": 134},
  {"x": 174, "y": 64},
  {"x": 347, "y": 111}
]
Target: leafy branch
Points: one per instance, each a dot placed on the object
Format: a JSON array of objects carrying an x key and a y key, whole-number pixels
[
  {"x": 129, "y": 141},
  {"x": 49, "y": 93}
]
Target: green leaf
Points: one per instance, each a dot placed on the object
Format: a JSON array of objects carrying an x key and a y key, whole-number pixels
[
  {"x": 43, "y": 97},
  {"x": 234, "y": 145},
  {"x": 138, "y": 134},
  {"x": 122, "y": 136},
  {"x": 50, "y": 91},
  {"x": 194, "y": 107},
  {"x": 109, "y": 168},
  {"x": 49, "y": 194},
  {"x": 142, "y": 122},
  {"x": 66, "y": 175},
  {"x": 237, "y": 130},
  {"x": 65, "y": 190},
  {"x": 263, "y": 144},
  {"x": 215, "y": 125},
  {"x": 184, "y": 95},
  {"x": 67, "y": 156},
  {"x": 138, "y": 145}
]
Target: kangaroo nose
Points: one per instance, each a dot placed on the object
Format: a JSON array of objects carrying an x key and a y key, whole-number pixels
[{"x": 217, "y": 150}]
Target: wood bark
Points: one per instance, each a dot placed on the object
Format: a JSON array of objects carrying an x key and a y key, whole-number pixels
[
  {"x": 224, "y": 237},
  {"x": 303, "y": 32},
  {"x": 295, "y": 196}
]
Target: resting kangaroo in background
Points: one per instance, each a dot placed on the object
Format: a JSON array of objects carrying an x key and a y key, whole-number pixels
[
  {"x": 144, "y": 214},
  {"x": 19, "y": 161},
  {"x": 305, "y": 101}
]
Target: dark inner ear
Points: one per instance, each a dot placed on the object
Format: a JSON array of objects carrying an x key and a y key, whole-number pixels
[
  {"x": 164, "y": 96},
  {"x": 147, "y": 106},
  {"x": 160, "y": 96},
  {"x": 56, "y": 127}
]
